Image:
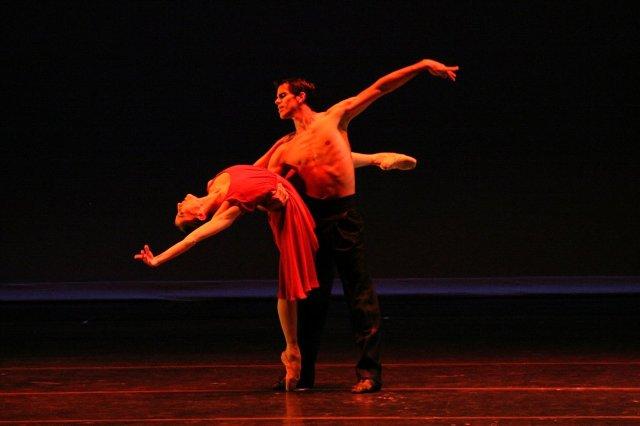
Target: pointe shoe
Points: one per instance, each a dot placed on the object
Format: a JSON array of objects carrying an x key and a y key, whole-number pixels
[
  {"x": 292, "y": 365},
  {"x": 301, "y": 386},
  {"x": 392, "y": 161}
]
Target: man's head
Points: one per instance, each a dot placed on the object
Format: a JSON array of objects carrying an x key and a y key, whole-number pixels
[{"x": 291, "y": 93}]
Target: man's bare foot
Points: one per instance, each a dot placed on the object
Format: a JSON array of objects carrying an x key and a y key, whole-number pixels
[
  {"x": 395, "y": 161},
  {"x": 366, "y": 386}
]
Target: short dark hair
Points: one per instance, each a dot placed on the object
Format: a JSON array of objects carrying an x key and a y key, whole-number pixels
[{"x": 298, "y": 85}]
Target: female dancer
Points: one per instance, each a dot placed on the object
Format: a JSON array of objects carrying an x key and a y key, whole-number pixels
[{"x": 240, "y": 189}]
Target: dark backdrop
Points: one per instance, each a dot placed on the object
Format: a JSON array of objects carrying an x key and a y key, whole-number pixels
[{"x": 527, "y": 164}]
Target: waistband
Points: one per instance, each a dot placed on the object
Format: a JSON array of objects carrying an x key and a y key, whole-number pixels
[{"x": 329, "y": 206}]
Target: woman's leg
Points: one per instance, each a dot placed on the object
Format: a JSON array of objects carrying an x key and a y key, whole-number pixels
[{"x": 288, "y": 315}]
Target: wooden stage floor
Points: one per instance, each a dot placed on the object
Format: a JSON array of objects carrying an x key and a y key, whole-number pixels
[{"x": 494, "y": 360}]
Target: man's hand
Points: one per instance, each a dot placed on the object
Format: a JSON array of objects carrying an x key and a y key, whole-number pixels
[
  {"x": 146, "y": 256},
  {"x": 441, "y": 70},
  {"x": 278, "y": 199}
]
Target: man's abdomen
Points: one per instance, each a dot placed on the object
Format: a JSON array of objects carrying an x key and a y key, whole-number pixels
[{"x": 328, "y": 181}]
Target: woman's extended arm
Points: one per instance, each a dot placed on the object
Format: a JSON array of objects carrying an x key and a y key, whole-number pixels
[{"x": 223, "y": 218}]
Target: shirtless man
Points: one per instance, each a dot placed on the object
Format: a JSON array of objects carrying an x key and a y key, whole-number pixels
[{"x": 318, "y": 155}]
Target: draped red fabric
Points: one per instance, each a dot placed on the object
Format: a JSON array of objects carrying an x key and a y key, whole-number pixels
[{"x": 292, "y": 225}]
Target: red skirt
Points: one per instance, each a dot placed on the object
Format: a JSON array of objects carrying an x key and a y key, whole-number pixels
[{"x": 294, "y": 234}]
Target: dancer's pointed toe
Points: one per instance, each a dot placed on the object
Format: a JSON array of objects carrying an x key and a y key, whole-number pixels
[{"x": 292, "y": 364}]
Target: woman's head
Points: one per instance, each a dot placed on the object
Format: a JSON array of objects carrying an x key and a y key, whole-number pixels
[{"x": 189, "y": 214}]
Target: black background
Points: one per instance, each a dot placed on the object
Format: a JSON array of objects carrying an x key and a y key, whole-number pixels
[{"x": 527, "y": 164}]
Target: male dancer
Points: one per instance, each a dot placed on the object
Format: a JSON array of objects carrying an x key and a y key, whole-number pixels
[{"x": 318, "y": 156}]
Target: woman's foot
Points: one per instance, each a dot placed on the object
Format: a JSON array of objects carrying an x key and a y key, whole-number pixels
[
  {"x": 393, "y": 161},
  {"x": 292, "y": 364}
]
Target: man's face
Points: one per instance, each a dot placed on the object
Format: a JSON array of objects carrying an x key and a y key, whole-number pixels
[{"x": 286, "y": 101}]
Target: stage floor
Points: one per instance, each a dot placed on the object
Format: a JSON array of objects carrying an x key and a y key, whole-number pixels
[{"x": 450, "y": 360}]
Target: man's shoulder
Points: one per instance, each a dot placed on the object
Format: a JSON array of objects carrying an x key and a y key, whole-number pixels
[
  {"x": 340, "y": 107},
  {"x": 337, "y": 113},
  {"x": 287, "y": 137},
  {"x": 284, "y": 139}
]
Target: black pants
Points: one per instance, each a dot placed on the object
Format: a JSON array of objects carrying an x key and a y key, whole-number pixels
[{"x": 339, "y": 228}]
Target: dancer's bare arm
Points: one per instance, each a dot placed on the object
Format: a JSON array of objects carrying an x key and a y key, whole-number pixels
[
  {"x": 351, "y": 107},
  {"x": 264, "y": 160},
  {"x": 223, "y": 218}
]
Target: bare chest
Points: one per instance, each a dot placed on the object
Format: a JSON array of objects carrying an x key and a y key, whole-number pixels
[{"x": 315, "y": 147}]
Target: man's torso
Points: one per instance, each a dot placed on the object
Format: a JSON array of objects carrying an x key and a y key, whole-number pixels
[{"x": 321, "y": 157}]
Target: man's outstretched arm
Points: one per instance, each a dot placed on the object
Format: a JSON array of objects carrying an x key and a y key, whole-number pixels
[{"x": 351, "y": 107}]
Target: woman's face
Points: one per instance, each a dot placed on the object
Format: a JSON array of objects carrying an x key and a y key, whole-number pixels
[{"x": 187, "y": 210}]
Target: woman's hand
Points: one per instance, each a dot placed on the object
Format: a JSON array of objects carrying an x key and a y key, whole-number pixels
[{"x": 147, "y": 257}]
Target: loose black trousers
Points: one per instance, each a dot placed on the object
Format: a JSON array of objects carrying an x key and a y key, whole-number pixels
[{"x": 340, "y": 232}]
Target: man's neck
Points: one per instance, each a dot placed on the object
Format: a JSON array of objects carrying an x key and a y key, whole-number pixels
[{"x": 304, "y": 118}]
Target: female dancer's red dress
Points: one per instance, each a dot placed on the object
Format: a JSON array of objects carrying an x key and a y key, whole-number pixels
[{"x": 292, "y": 226}]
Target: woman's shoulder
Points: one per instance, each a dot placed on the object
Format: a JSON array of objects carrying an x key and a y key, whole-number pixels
[{"x": 220, "y": 181}]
